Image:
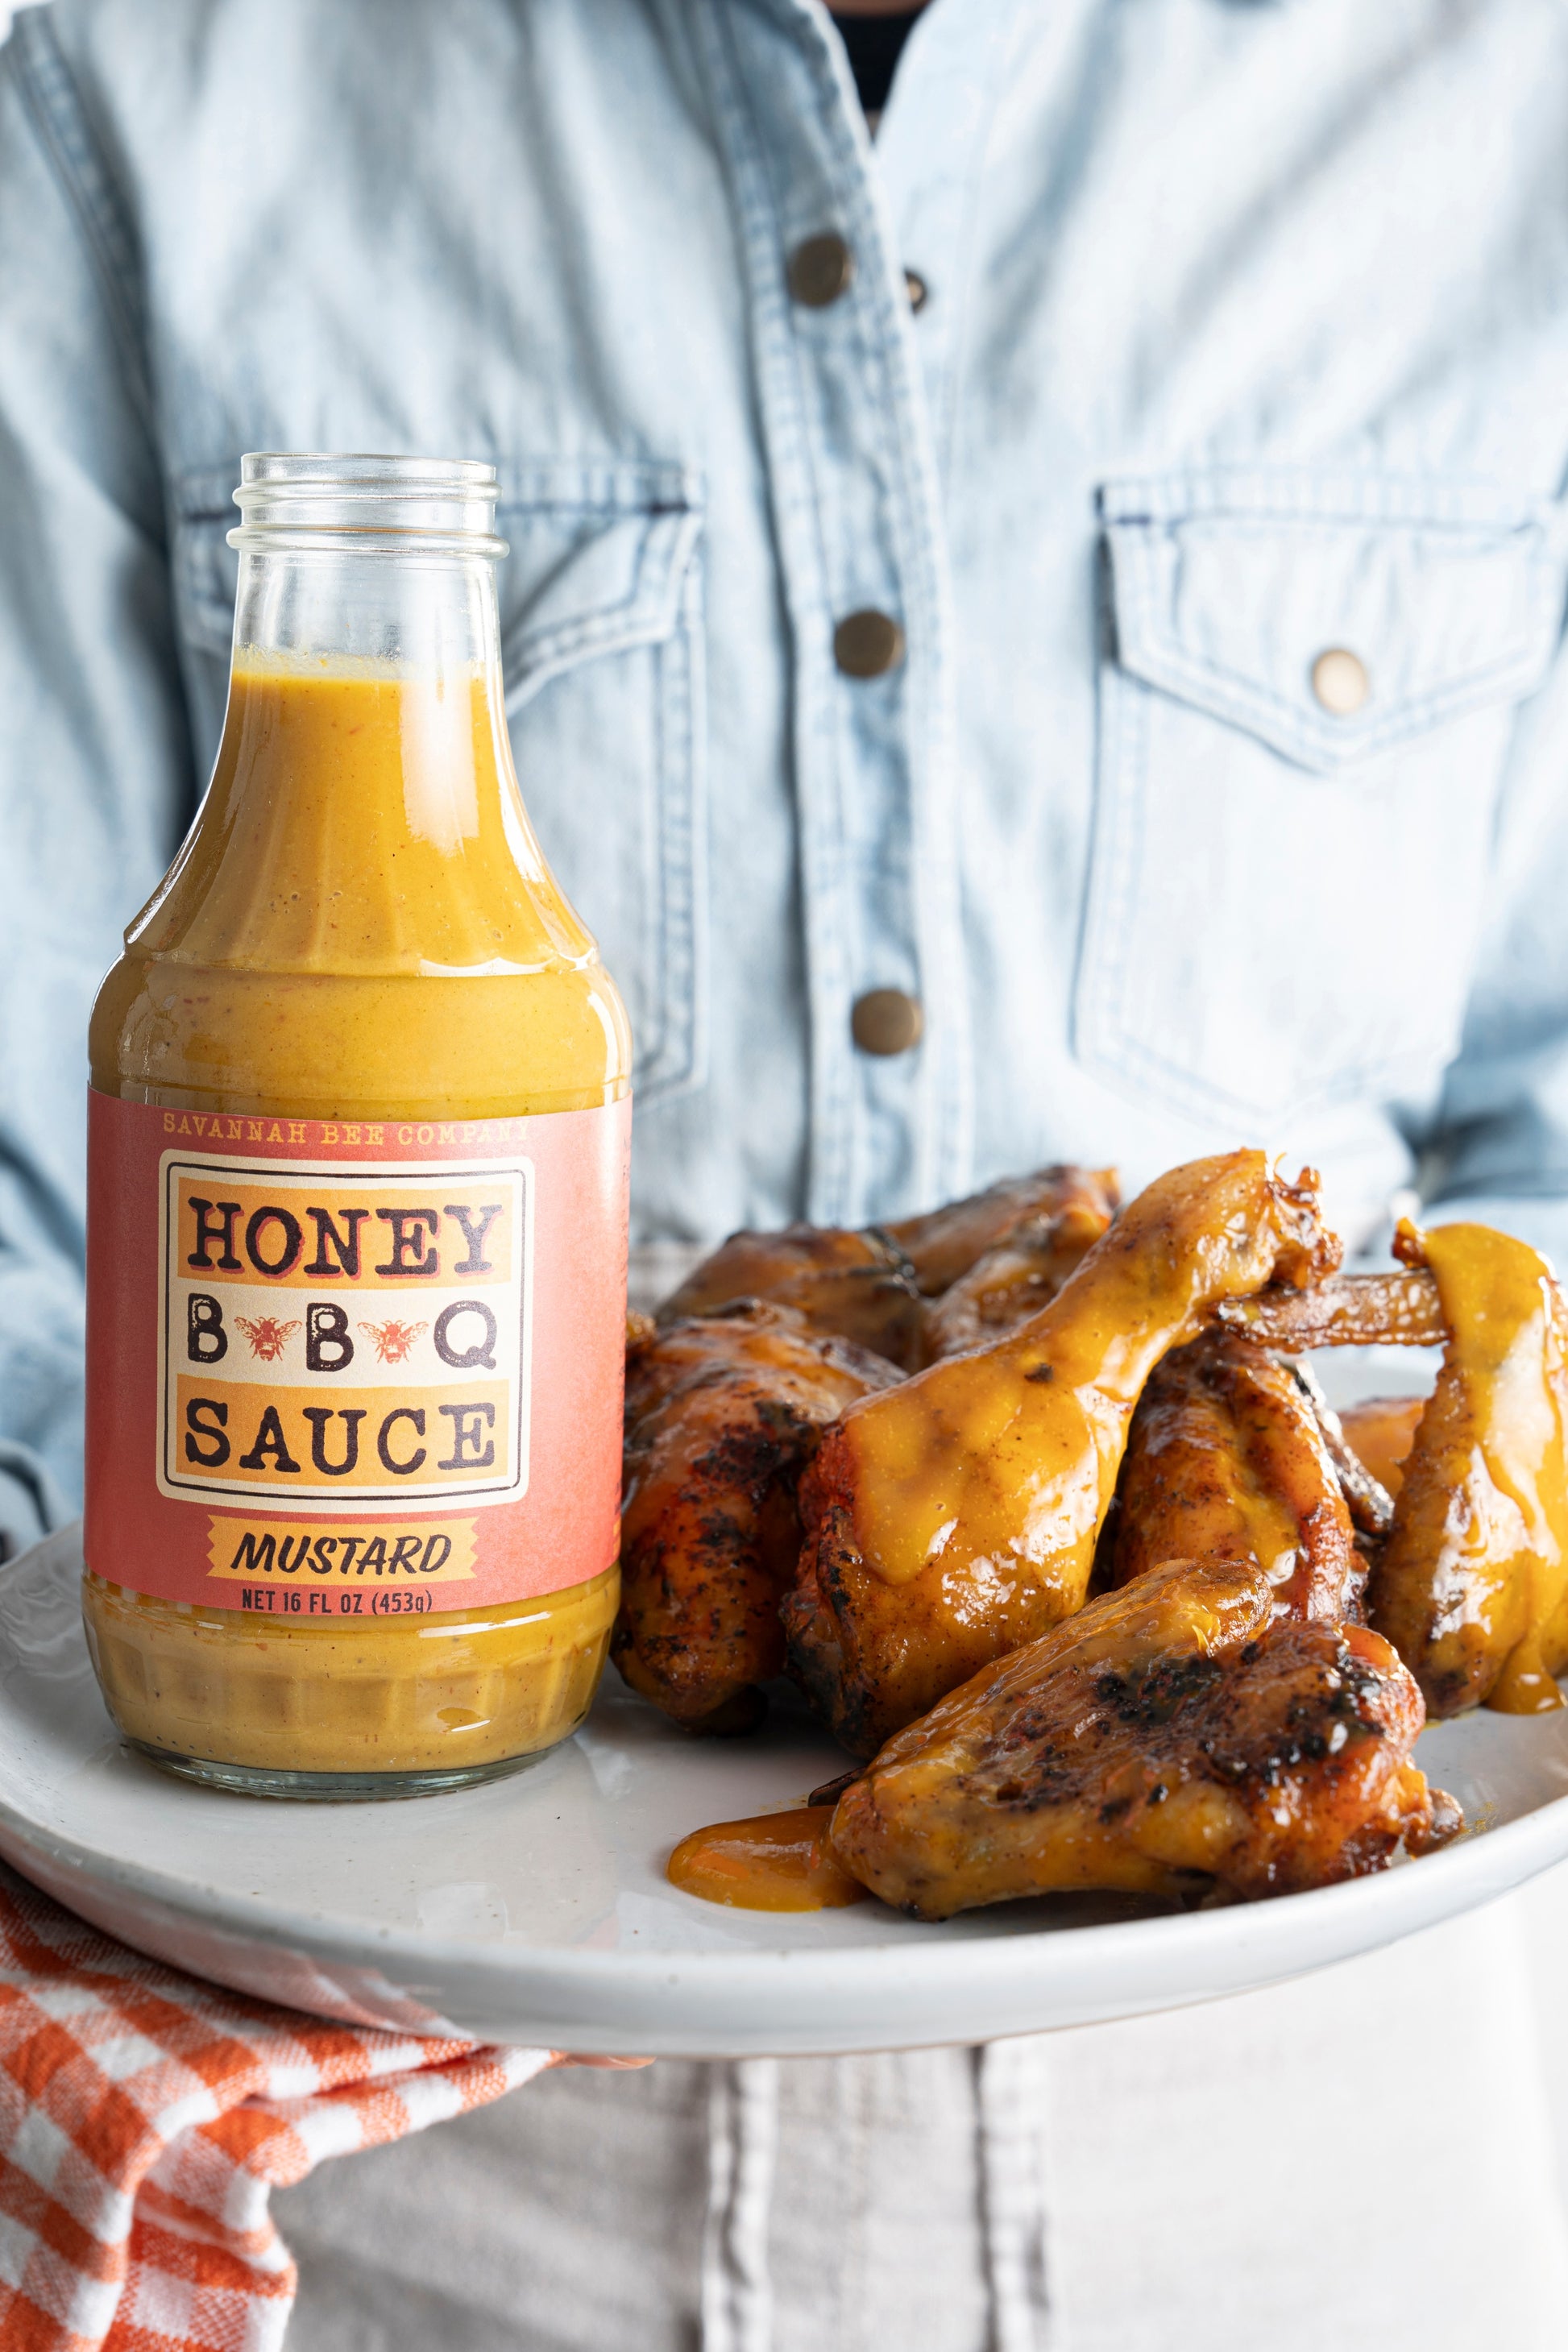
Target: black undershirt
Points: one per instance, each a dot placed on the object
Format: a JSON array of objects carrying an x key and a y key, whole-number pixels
[{"x": 874, "y": 44}]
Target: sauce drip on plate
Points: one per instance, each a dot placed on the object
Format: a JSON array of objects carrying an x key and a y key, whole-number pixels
[{"x": 774, "y": 1861}]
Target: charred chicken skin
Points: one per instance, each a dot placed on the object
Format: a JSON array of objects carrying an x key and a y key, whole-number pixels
[
  {"x": 721, "y": 1414},
  {"x": 956, "y": 1516},
  {"x": 1177, "y": 1735},
  {"x": 1472, "y": 1586},
  {"x": 1227, "y": 1460}
]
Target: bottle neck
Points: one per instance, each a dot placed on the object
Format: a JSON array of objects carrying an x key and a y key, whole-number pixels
[
  {"x": 311, "y": 597},
  {"x": 364, "y": 814}
]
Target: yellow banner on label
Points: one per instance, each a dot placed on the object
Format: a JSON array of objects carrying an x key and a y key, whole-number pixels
[{"x": 299, "y": 1553}]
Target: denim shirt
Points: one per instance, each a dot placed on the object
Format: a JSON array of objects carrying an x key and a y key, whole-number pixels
[{"x": 1245, "y": 339}]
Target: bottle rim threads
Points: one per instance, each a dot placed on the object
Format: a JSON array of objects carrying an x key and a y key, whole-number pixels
[{"x": 300, "y": 501}]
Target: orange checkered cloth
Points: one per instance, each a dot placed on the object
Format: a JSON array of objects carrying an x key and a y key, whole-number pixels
[{"x": 145, "y": 2118}]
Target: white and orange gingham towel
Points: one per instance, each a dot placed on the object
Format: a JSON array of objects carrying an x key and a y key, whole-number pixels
[{"x": 145, "y": 2118}]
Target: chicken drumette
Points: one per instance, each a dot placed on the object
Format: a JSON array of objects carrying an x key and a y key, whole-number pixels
[
  {"x": 1174, "y": 1736},
  {"x": 724, "y": 1401},
  {"x": 956, "y": 1518},
  {"x": 721, "y": 1414}
]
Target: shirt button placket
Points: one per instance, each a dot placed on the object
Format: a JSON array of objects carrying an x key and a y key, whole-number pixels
[
  {"x": 886, "y": 1023},
  {"x": 857, "y": 513}
]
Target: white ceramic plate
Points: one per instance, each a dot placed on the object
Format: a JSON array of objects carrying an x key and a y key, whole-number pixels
[{"x": 536, "y": 1910}]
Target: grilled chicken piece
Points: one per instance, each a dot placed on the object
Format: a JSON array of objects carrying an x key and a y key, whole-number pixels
[
  {"x": 1472, "y": 1587},
  {"x": 944, "y": 1245},
  {"x": 956, "y": 1516},
  {"x": 1176, "y": 1737},
  {"x": 1397, "y": 1309},
  {"x": 1367, "y": 1499},
  {"x": 857, "y": 1285},
  {"x": 1380, "y": 1431},
  {"x": 869, "y": 1286},
  {"x": 1022, "y": 1273},
  {"x": 720, "y": 1415},
  {"x": 1227, "y": 1460}
]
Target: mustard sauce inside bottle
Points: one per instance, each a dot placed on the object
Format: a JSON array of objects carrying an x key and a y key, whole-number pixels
[{"x": 357, "y": 1196}]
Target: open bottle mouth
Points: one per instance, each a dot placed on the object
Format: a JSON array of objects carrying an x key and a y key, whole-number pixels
[{"x": 304, "y": 499}]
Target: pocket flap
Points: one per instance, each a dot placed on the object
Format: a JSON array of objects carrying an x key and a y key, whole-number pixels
[
  {"x": 598, "y": 563},
  {"x": 1228, "y": 586},
  {"x": 599, "y": 555},
  {"x": 206, "y": 568}
]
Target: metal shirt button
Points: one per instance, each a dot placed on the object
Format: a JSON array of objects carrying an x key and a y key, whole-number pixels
[
  {"x": 868, "y": 644},
  {"x": 885, "y": 1021},
  {"x": 820, "y": 270},
  {"x": 1339, "y": 681},
  {"x": 916, "y": 288}
]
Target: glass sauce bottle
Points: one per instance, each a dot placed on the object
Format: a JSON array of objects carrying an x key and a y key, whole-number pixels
[{"x": 358, "y": 1149}]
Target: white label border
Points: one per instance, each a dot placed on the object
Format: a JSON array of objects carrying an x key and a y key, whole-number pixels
[{"x": 365, "y": 1502}]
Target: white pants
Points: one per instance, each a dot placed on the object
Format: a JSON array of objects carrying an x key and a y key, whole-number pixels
[{"x": 1361, "y": 2158}]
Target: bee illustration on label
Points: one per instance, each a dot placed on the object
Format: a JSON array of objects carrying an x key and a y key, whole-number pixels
[
  {"x": 268, "y": 1337},
  {"x": 394, "y": 1340}
]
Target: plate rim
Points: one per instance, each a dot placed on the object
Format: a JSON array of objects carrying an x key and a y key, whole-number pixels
[
  {"x": 656, "y": 1999},
  {"x": 293, "y": 1928}
]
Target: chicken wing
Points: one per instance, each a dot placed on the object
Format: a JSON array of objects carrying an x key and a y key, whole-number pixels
[
  {"x": 1227, "y": 1460},
  {"x": 1368, "y": 1500},
  {"x": 946, "y": 1242},
  {"x": 1380, "y": 1431},
  {"x": 857, "y": 1285},
  {"x": 869, "y": 1286},
  {"x": 1169, "y": 1740},
  {"x": 1014, "y": 1280},
  {"x": 1472, "y": 1587},
  {"x": 720, "y": 1415},
  {"x": 1395, "y": 1309},
  {"x": 956, "y": 1516}
]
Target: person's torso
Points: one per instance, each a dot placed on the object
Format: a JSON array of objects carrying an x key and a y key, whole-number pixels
[{"x": 1165, "y": 429}]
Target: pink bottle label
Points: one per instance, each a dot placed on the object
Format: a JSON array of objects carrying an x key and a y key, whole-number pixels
[{"x": 342, "y": 1367}]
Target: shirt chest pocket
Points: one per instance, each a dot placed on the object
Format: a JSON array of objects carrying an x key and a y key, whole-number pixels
[
  {"x": 601, "y": 611},
  {"x": 1304, "y": 716}
]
